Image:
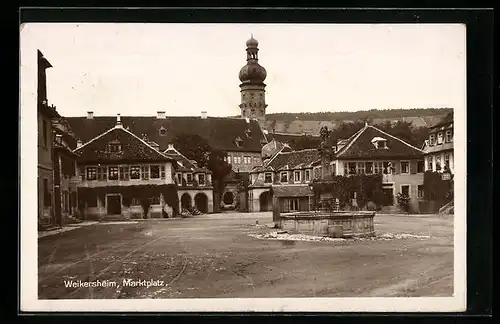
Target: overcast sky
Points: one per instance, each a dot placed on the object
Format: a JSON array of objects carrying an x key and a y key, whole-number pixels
[{"x": 139, "y": 69}]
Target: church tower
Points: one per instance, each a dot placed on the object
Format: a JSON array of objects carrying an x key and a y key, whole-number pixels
[{"x": 252, "y": 76}]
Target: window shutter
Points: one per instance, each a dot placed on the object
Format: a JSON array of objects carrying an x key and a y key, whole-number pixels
[
  {"x": 413, "y": 167},
  {"x": 162, "y": 171}
]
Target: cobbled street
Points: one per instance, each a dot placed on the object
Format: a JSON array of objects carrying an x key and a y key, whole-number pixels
[{"x": 221, "y": 255}]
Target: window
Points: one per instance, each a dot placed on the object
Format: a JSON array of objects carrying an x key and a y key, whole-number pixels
[
  {"x": 162, "y": 171},
  {"x": 333, "y": 169},
  {"x": 66, "y": 201},
  {"x": 307, "y": 175},
  {"x": 189, "y": 177},
  {"x": 294, "y": 204},
  {"x": 135, "y": 202},
  {"x": 432, "y": 139},
  {"x": 91, "y": 173},
  {"x": 420, "y": 166},
  {"x": 135, "y": 172},
  {"x": 420, "y": 191},
  {"x": 256, "y": 161},
  {"x": 317, "y": 173},
  {"x": 237, "y": 159},
  {"x": 447, "y": 160},
  {"x": 229, "y": 159},
  {"x": 201, "y": 179},
  {"x": 155, "y": 200},
  {"x": 248, "y": 160},
  {"x": 145, "y": 172},
  {"x": 449, "y": 136},
  {"x": 102, "y": 173},
  {"x": 405, "y": 167},
  {"x": 179, "y": 178},
  {"x": 297, "y": 176},
  {"x": 284, "y": 177},
  {"x": 268, "y": 177},
  {"x": 154, "y": 172},
  {"x": 114, "y": 147},
  {"x": 378, "y": 167},
  {"x": 440, "y": 138},
  {"x": 163, "y": 131},
  {"x": 351, "y": 167},
  {"x": 360, "y": 168},
  {"x": 45, "y": 134},
  {"x": 368, "y": 167},
  {"x": 386, "y": 166},
  {"x": 124, "y": 175},
  {"x": 113, "y": 173},
  {"x": 405, "y": 190},
  {"x": 382, "y": 145},
  {"x": 438, "y": 165},
  {"x": 429, "y": 163},
  {"x": 46, "y": 193}
]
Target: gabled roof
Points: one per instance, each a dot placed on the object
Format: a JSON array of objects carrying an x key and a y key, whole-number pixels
[
  {"x": 134, "y": 149},
  {"x": 183, "y": 163},
  {"x": 445, "y": 120},
  {"x": 293, "y": 160},
  {"x": 360, "y": 146},
  {"x": 221, "y": 133}
]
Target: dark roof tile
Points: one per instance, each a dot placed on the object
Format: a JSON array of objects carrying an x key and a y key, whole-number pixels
[
  {"x": 133, "y": 148},
  {"x": 221, "y": 133},
  {"x": 360, "y": 146}
]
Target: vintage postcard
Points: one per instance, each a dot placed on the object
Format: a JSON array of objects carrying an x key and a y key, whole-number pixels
[{"x": 243, "y": 167}]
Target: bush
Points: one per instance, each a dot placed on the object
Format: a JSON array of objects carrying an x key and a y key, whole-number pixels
[{"x": 371, "y": 206}]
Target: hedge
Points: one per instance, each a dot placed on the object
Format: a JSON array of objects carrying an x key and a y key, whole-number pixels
[{"x": 367, "y": 188}]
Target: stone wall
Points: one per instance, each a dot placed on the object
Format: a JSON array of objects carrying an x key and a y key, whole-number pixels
[{"x": 338, "y": 224}]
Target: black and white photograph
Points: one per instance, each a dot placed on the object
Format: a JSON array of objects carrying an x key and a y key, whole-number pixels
[{"x": 243, "y": 167}]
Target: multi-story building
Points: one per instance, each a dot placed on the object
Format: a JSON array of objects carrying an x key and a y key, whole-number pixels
[
  {"x": 45, "y": 114},
  {"x": 194, "y": 184},
  {"x": 438, "y": 148},
  {"x": 65, "y": 179},
  {"x": 285, "y": 175},
  {"x": 373, "y": 151},
  {"x": 119, "y": 172}
]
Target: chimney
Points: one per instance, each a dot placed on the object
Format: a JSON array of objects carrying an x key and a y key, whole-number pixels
[
  {"x": 170, "y": 146},
  {"x": 203, "y": 114},
  {"x": 79, "y": 143},
  {"x": 118, "y": 121},
  {"x": 90, "y": 115},
  {"x": 161, "y": 115}
]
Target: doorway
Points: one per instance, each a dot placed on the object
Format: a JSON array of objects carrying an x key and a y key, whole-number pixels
[
  {"x": 388, "y": 196},
  {"x": 114, "y": 204}
]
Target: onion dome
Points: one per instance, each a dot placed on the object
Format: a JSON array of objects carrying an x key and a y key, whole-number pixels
[
  {"x": 253, "y": 72},
  {"x": 252, "y": 42}
]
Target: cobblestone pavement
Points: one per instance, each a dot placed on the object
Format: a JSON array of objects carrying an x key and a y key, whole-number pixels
[{"x": 227, "y": 255}]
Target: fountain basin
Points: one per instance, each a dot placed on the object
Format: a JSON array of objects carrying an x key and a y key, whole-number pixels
[{"x": 333, "y": 224}]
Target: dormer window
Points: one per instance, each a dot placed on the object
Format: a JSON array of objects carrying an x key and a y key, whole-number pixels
[
  {"x": 248, "y": 133},
  {"x": 238, "y": 141},
  {"x": 432, "y": 139},
  {"x": 114, "y": 147},
  {"x": 379, "y": 142},
  {"x": 440, "y": 138},
  {"x": 163, "y": 131},
  {"x": 449, "y": 136}
]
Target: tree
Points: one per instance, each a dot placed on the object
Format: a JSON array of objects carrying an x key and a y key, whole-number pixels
[
  {"x": 195, "y": 147},
  {"x": 305, "y": 142}
]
